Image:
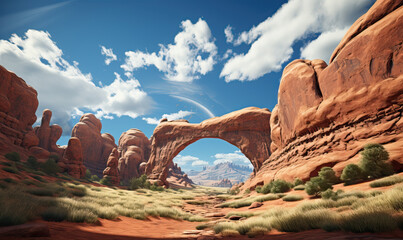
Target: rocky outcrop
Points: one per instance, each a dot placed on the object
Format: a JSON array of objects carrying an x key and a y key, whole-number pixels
[
  {"x": 225, "y": 183},
  {"x": 355, "y": 100},
  {"x": 134, "y": 149},
  {"x": 248, "y": 129},
  {"x": 96, "y": 146},
  {"x": 72, "y": 161},
  {"x": 111, "y": 169},
  {"x": 18, "y": 104},
  {"x": 176, "y": 178},
  {"x": 48, "y": 135}
]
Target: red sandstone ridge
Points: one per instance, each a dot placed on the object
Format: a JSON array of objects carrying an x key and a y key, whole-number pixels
[
  {"x": 72, "y": 159},
  {"x": 248, "y": 129},
  {"x": 176, "y": 178},
  {"x": 96, "y": 146},
  {"x": 134, "y": 149},
  {"x": 355, "y": 100},
  {"x": 18, "y": 104}
]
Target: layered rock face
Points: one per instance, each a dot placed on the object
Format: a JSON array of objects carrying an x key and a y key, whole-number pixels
[
  {"x": 248, "y": 129},
  {"x": 134, "y": 149},
  {"x": 111, "y": 169},
  {"x": 326, "y": 114},
  {"x": 18, "y": 104},
  {"x": 176, "y": 178},
  {"x": 96, "y": 146}
]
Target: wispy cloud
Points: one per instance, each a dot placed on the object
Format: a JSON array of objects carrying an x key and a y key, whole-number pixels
[
  {"x": 197, "y": 104},
  {"x": 110, "y": 56}
]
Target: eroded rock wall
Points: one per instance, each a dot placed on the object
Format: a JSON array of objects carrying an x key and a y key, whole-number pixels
[{"x": 355, "y": 100}]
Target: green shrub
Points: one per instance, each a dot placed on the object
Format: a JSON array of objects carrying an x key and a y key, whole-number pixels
[
  {"x": 13, "y": 156},
  {"x": 54, "y": 214},
  {"x": 297, "y": 182},
  {"x": 373, "y": 161},
  {"x": 50, "y": 167},
  {"x": 352, "y": 173},
  {"x": 329, "y": 194},
  {"x": 387, "y": 181},
  {"x": 32, "y": 162},
  {"x": 155, "y": 187},
  {"x": 327, "y": 174},
  {"x": 141, "y": 182},
  {"x": 276, "y": 186},
  {"x": 202, "y": 226},
  {"x": 234, "y": 191},
  {"x": 88, "y": 174},
  {"x": 266, "y": 188},
  {"x": 247, "y": 191},
  {"x": 258, "y": 189},
  {"x": 106, "y": 181},
  {"x": 316, "y": 185},
  {"x": 94, "y": 178}
]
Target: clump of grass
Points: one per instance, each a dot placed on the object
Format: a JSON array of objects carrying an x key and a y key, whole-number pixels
[
  {"x": 195, "y": 202},
  {"x": 202, "y": 226},
  {"x": 9, "y": 180},
  {"x": 229, "y": 233},
  {"x": 256, "y": 231},
  {"x": 368, "y": 221},
  {"x": 40, "y": 192},
  {"x": 81, "y": 215},
  {"x": 387, "y": 181},
  {"x": 39, "y": 178},
  {"x": 248, "y": 201},
  {"x": 13, "y": 156},
  {"x": 299, "y": 187},
  {"x": 243, "y": 227},
  {"x": 16, "y": 207},
  {"x": 292, "y": 198}
]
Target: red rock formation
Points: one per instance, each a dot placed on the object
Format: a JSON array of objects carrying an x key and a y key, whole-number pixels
[
  {"x": 226, "y": 183},
  {"x": 48, "y": 135},
  {"x": 18, "y": 104},
  {"x": 72, "y": 160},
  {"x": 134, "y": 149},
  {"x": 176, "y": 178},
  {"x": 96, "y": 146},
  {"x": 111, "y": 169},
  {"x": 248, "y": 129},
  {"x": 355, "y": 100}
]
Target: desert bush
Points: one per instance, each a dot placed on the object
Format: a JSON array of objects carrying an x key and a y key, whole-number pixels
[
  {"x": 292, "y": 198},
  {"x": 106, "y": 181},
  {"x": 88, "y": 174},
  {"x": 373, "y": 161},
  {"x": 202, "y": 226},
  {"x": 40, "y": 191},
  {"x": 327, "y": 174},
  {"x": 16, "y": 207},
  {"x": 352, "y": 173},
  {"x": 141, "y": 182},
  {"x": 316, "y": 185},
  {"x": 234, "y": 191},
  {"x": 94, "y": 178},
  {"x": 13, "y": 170},
  {"x": 13, "y": 156},
  {"x": 329, "y": 194},
  {"x": 247, "y": 191},
  {"x": 242, "y": 214},
  {"x": 155, "y": 187},
  {"x": 248, "y": 201},
  {"x": 258, "y": 189},
  {"x": 32, "y": 162},
  {"x": 256, "y": 231},
  {"x": 50, "y": 167},
  {"x": 276, "y": 186},
  {"x": 387, "y": 181},
  {"x": 297, "y": 182}
]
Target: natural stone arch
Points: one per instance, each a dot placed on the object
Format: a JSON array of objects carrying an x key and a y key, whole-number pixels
[{"x": 248, "y": 129}]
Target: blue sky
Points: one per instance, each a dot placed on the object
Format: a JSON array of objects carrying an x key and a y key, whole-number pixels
[{"x": 133, "y": 62}]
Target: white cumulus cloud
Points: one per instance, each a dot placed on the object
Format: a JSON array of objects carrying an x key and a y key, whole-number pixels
[
  {"x": 272, "y": 40},
  {"x": 62, "y": 87},
  {"x": 181, "y": 61},
  {"x": 199, "y": 163},
  {"x": 110, "y": 56},
  {"x": 236, "y": 157},
  {"x": 172, "y": 116}
]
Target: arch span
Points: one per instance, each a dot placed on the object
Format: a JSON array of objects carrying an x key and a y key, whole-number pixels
[{"x": 247, "y": 129}]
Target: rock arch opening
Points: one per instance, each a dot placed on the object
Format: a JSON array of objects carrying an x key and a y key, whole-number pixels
[{"x": 247, "y": 129}]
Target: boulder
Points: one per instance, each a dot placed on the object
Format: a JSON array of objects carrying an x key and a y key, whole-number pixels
[
  {"x": 255, "y": 205},
  {"x": 111, "y": 169},
  {"x": 134, "y": 149},
  {"x": 355, "y": 100},
  {"x": 96, "y": 146}
]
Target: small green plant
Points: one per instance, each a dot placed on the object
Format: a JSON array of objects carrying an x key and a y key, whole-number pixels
[
  {"x": 94, "y": 178},
  {"x": 258, "y": 189},
  {"x": 351, "y": 174},
  {"x": 106, "y": 181},
  {"x": 234, "y": 191},
  {"x": 276, "y": 186},
  {"x": 88, "y": 174},
  {"x": 32, "y": 162},
  {"x": 50, "y": 167},
  {"x": 299, "y": 187},
  {"x": 316, "y": 185},
  {"x": 141, "y": 182},
  {"x": 247, "y": 191},
  {"x": 13, "y": 156},
  {"x": 330, "y": 194},
  {"x": 155, "y": 187},
  {"x": 298, "y": 182},
  {"x": 292, "y": 198},
  {"x": 373, "y": 161},
  {"x": 327, "y": 174}
]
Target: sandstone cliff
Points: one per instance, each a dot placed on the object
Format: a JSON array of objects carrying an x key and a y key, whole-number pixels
[{"x": 326, "y": 114}]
